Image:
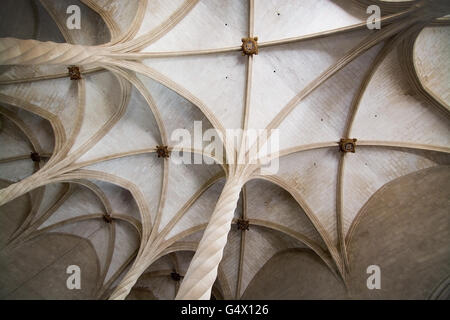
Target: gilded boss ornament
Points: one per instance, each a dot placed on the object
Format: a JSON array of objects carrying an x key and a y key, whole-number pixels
[
  {"x": 348, "y": 145},
  {"x": 249, "y": 46},
  {"x": 162, "y": 151},
  {"x": 74, "y": 73}
]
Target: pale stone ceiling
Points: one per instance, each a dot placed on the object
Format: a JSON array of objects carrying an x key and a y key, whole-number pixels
[{"x": 154, "y": 66}]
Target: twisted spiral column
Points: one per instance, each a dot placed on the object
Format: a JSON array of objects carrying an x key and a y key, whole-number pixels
[
  {"x": 202, "y": 271},
  {"x": 25, "y": 52}
]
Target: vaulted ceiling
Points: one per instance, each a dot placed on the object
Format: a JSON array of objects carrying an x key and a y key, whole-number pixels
[{"x": 82, "y": 181}]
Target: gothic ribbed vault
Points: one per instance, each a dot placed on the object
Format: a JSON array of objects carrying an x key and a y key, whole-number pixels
[{"x": 84, "y": 182}]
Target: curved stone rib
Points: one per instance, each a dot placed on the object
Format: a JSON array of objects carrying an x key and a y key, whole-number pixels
[
  {"x": 202, "y": 271},
  {"x": 25, "y": 52},
  {"x": 130, "y": 279},
  {"x": 17, "y": 189}
]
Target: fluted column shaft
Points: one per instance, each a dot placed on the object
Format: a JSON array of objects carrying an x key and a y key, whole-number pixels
[{"x": 202, "y": 271}]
